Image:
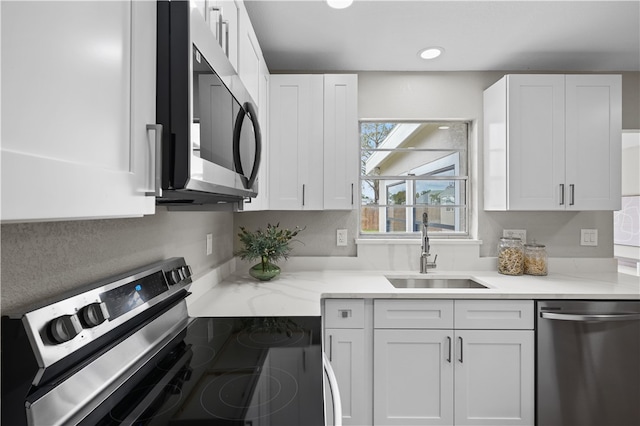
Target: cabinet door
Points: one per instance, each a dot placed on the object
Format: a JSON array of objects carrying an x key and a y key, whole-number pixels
[
  {"x": 494, "y": 377},
  {"x": 536, "y": 138},
  {"x": 229, "y": 9},
  {"x": 249, "y": 55},
  {"x": 341, "y": 167},
  {"x": 345, "y": 349},
  {"x": 413, "y": 374},
  {"x": 76, "y": 100},
  {"x": 593, "y": 141},
  {"x": 295, "y": 142}
]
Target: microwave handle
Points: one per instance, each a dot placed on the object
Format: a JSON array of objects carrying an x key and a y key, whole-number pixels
[
  {"x": 157, "y": 192},
  {"x": 247, "y": 109}
]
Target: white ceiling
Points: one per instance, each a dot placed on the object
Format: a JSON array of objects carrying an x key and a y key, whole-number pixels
[{"x": 386, "y": 35}]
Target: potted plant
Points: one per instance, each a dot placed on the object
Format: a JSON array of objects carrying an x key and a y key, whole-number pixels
[{"x": 269, "y": 245}]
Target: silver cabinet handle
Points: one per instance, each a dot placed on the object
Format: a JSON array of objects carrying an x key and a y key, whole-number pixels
[
  {"x": 572, "y": 194},
  {"x": 303, "y": 194},
  {"x": 590, "y": 317},
  {"x": 335, "y": 392},
  {"x": 460, "y": 340},
  {"x": 562, "y": 194},
  {"x": 218, "y": 24},
  {"x": 330, "y": 347},
  {"x": 351, "y": 194},
  {"x": 226, "y": 37},
  {"x": 158, "y": 163},
  {"x": 449, "y": 356}
]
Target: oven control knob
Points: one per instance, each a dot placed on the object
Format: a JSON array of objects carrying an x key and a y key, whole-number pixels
[
  {"x": 186, "y": 271},
  {"x": 64, "y": 328},
  {"x": 94, "y": 314},
  {"x": 174, "y": 276}
]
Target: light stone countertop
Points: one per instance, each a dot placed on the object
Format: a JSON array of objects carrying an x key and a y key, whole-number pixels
[{"x": 299, "y": 293}]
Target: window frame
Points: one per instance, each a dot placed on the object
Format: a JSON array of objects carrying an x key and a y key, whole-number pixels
[{"x": 461, "y": 211}]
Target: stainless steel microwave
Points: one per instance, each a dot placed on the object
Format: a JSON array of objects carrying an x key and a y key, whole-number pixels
[{"x": 211, "y": 141}]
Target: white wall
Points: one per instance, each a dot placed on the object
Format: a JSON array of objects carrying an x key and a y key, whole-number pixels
[{"x": 40, "y": 260}]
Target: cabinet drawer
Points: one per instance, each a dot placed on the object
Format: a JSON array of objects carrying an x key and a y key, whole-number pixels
[
  {"x": 407, "y": 313},
  {"x": 494, "y": 314},
  {"x": 344, "y": 313}
]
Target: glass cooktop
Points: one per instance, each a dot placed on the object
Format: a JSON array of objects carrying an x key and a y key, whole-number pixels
[{"x": 231, "y": 371}]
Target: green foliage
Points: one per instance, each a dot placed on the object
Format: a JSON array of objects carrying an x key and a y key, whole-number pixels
[
  {"x": 399, "y": 197},
  {"x": 269, "y": 245}
]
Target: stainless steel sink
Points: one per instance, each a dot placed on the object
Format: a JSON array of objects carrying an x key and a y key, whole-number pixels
[{"x": 434, "y": 283}]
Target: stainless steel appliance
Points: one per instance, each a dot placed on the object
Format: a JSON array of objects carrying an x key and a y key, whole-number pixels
[
  {"x": 588, "y": 363},
  {"x": 124, "y": 351},
  {"x": 211, "y": 140}
]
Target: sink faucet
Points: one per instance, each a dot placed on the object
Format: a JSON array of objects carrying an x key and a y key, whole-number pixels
[{"x": 424, "y": 256}]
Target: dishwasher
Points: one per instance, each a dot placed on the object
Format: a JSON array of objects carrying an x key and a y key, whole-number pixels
[{"x": 588, "y": 363}]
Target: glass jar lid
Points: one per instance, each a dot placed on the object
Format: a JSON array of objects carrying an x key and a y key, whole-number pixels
[{"x": 535, "y": 245}]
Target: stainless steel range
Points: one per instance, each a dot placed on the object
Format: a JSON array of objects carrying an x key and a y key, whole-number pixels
[{"x": 124, "y": 351}]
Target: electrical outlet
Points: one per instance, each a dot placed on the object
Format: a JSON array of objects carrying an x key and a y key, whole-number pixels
[
  {"x": 515, "y": 233},
  {"x": 589, "y": 237},
  {"x": 209, "y": 244},
  {"x": 341, "y": 237}
]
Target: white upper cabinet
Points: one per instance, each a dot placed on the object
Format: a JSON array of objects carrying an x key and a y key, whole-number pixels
[
  {"x": 313, "y": 156},
  {"x": 78, "y": 91},
  {"x": 594, "y": 141},
  {"x": 552, "y": 142},
  {"x": 222, "y": 19},
  {"x": 340, "y": 141},
  {"x": 249, "y": 55},
  {"x": 295, "y": 142}
]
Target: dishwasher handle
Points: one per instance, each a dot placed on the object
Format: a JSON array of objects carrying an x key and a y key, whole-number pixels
[
  {"x": 580, "y": 317},
  {"x": 335, "y": 392}
]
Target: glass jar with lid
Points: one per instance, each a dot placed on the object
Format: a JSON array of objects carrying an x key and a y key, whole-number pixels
[
  {"x": 535, "y": 259},
  {"x": 510, "y": 256}
]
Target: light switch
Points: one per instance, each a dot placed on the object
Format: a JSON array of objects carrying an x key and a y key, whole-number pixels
[{"x": 588, "y": 237}]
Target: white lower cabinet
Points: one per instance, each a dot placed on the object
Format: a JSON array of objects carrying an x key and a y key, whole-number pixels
[
  {"x": 434, "y": 362},
  {"x": 413, "y": 377},
  {"x": 494, "y": 377},
  {"x": 346, "y": 354},
  {"x": 438, "y": 374},
  {"x": 347, "y": 345}
]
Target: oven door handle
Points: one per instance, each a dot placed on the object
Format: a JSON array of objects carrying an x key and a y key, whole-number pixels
[
  {"x": 335, "y": 392},
  {"x": 591, "y": 317},
  {"x": 155, "y": 392}
]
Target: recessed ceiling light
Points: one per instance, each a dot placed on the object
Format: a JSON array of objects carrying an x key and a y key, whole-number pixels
[
  {"x": 431, "y": 52},
  {"x": 339, "y": 4},
  {"x": 443, "y": 127}
]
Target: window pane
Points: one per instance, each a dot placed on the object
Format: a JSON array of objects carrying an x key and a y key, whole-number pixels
[
  {"x": 438, "y": 192},
  {"x": 441, "y": 219},
  {"x": 415, "y": 162},
  {"x": 370, "y": 219},
  {"x": 392, "y": 220},
  {"x": 411, "y": 167},
  {"x": 396, "y": 193}
]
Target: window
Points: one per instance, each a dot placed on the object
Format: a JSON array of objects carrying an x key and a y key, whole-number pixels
[{"x": 411, "y": 168}]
